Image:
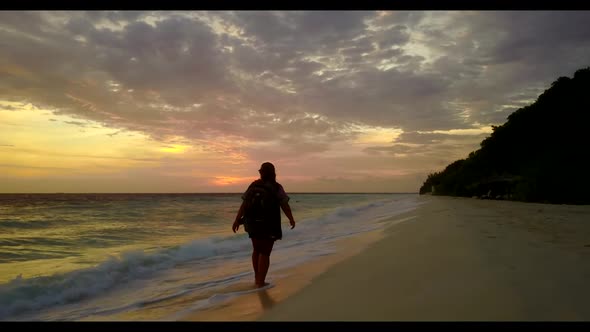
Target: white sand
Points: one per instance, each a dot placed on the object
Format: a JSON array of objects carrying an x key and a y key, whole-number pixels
[{"x": 460, "y": 259}]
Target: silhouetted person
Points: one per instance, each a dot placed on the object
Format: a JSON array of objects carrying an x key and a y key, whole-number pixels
[{"x": 260, "y": 213}]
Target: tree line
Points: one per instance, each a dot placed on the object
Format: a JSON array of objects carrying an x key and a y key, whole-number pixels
[{"x": 539, "y": 155}]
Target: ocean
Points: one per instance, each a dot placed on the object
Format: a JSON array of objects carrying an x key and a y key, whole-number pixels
[{"x": 149, "y": 256}]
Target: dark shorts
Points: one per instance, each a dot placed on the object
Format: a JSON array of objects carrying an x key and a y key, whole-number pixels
[{"x": 263, "y": 245}]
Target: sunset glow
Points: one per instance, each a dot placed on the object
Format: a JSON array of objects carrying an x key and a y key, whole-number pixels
[{"x": 196, "y": 101}]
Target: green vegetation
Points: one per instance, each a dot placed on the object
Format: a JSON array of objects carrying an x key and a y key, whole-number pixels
[{"x": 539, "y": 155}]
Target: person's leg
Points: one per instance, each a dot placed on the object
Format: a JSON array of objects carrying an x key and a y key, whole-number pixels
[
  {"x": 255, "y": 262},
  {"x": 263, "y": 264},
  {"x": 255, "y": 255},
  {"x": 264, "y": 261}
]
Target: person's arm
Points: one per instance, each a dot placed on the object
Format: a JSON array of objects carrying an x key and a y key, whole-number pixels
[
  {"x": 236, "y": 224},
  {"x": 287, "y": 209}
]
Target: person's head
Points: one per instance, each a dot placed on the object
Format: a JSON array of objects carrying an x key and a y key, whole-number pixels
[{"x": 267, "y": 172}]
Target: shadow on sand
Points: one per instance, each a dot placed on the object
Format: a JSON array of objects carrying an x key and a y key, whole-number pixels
[{"x": 265, "y": 300}]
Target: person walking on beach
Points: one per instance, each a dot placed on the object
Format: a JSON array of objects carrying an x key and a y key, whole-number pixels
[{"x": 260, "y": 213}]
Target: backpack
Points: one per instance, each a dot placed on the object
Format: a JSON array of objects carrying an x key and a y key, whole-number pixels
[{"x": 260, "y": 200}]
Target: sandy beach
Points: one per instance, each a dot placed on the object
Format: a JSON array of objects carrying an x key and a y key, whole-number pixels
[
  {"x": 286, "y": 283},
  {"x": 459, "y": 259},
  {"x": 451, "y": 259}
]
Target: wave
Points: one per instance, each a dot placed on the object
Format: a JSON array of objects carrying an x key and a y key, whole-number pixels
[{"x": 22, "y": 295}]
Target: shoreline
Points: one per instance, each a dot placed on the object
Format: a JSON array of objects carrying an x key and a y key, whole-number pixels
[
  {"x": 289, "y": 281},
  {"x": 459, "y": 260}
]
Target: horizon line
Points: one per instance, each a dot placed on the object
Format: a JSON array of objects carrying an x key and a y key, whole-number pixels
[{"x": 190, "y": 193}]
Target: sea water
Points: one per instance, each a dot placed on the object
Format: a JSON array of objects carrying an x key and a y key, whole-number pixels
[{"x": 149, "y": 256}]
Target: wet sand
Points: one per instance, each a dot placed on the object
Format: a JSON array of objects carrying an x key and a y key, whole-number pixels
[{"x": 284, "y": 282}]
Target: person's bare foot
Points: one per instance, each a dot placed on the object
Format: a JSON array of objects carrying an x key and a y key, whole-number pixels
[{"x": 262, "y": 285}]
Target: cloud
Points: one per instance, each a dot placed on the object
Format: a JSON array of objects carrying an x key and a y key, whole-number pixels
[
  {"x": 492, "y": 56},
  {"x": 439, "y": 148},
  {"x": 75, "y": 123},
  {"x": 114, "y": 134},
  {"x": 143, "y": 75},
  {"x": 266, "y": 84},
  {"x": 32, "y": 167},
  {"x": 9, "y": 108}
]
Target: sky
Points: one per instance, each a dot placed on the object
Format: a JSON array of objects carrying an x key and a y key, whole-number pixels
[{"x": 195, "y": 101}]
